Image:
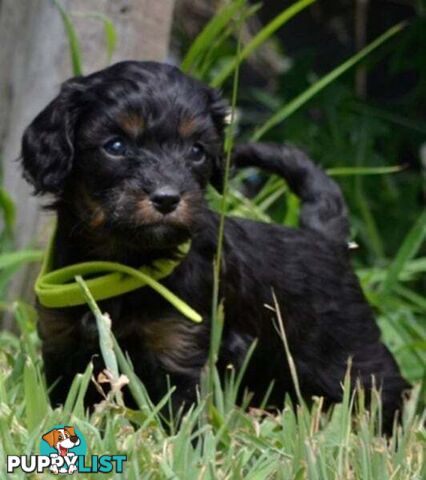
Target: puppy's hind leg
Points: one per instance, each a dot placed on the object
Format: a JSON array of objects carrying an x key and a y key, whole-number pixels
[{"x": 323, "y": 206}]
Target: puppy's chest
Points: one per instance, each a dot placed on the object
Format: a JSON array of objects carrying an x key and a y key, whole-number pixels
[
  {"x": 154, "y": 323},
  {"x": 145, "y": 318},
  {"x": 147, "y": 326}
]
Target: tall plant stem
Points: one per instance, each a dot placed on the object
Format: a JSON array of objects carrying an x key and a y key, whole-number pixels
[{"x": 218, "y": 317}]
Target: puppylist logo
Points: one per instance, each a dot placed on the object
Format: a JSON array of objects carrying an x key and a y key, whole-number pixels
[{"x": 63, "y": 451}]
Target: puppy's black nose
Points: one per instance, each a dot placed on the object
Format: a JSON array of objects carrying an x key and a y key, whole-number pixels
[{"x": 165, "y": 199}]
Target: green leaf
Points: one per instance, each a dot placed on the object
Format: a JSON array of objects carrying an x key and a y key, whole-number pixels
[
  {"x": 412, "y": 296},
  {"x": 74, "y": 403},
  {"x": 8, "y": 208},
  {"x": 292, "y": 215},
  {"x": 390, "y": 117},
  {"x": 347, "y": 171},
  {"x": 36, "y": 401},
  {"x": 74, "y": 44},
  {"x": 83, "y": 384},
  {"x": 136, "y": 387},
  {"x": 103, "y": 323},
  {"x": 318, "y": 86},
  {"x": 110, "y": 36},
  {"x": 209, "y": 34},
  {"x": 371, "y": 232},
  {"x": 14, "y": 259},
  {"x": 110, "y": 31},
  {"x": 407, "y": 251},
  {"x": 260, "y": 38}
]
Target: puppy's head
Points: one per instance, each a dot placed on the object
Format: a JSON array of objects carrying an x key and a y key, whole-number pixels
[
  {"x": 62, "y": 437},
  {"x": 132, "y": 148}
]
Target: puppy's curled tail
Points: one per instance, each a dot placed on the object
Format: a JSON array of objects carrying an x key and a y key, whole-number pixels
[{"x": 323, "y": 208}]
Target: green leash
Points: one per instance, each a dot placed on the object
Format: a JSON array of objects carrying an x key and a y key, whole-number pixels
[{"x": 58, "y": 288}]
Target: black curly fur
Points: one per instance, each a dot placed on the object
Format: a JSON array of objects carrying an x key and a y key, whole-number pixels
[{"x": 105, "y": 211}]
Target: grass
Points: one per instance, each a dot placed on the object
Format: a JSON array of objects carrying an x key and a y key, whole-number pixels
[
  {"x": 228, "y": 442},
  {"x": 217, "y": 439}
]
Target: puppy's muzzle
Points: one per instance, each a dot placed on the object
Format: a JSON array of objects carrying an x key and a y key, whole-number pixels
[{"x": 165, "y": 199}]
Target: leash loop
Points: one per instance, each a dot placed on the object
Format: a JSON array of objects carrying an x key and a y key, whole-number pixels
[{"x": 58, "y": 288}]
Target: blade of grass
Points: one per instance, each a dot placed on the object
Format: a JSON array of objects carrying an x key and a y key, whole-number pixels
[
  {"x": 77, "y": 391},
  {"x": 291, "y": 218},
  {"x": 210, "y": 33},
  {"x": 13, "y": 259},
  {"x": 74, "y": 44},
  {"x": 110, "y": 36},
  {"x": 310, "y": 92},
  {"x": 83, "y": 384},
  {"x": 36, "y": 402},
  {"x": 415, "y": 298},
  {"x": 273, "y": 197},
  {"x": 206, "y": 67},
  {"x": 272, "y": 184},
  {"x": 155, "y": 411},
  {"x": 246, "y": 208},
  {"x": 411, "y": 270},
  {"x": 103, "y": 323},
  {"x": 110, "y": 32},
  {"x": 217, "y": 317},
  {"x": 243, "y": 368},
  {"x": 25, "y": 317},
  {"x": 389, "y": 117},
  {"x": 8, "y": 208},
  {"x": 372, "y": 232},
  {"x": 260, "y": 38},
  {"x": 348, "y": 171},
  {"x": 345, "y": 424},
  {"x": 72, "y": 394},
  {"x": 292, "y": 366},
  {"x": 406, "y": 252},
  {"x": 136, "y": 387}
]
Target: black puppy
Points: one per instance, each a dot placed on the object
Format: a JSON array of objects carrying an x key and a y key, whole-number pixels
[{"x": 127, "y": 153}]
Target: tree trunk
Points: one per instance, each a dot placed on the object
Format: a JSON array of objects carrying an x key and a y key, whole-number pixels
[{"x": 34, "y": 59}]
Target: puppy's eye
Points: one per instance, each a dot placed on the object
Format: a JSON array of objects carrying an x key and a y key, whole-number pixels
[
  {"x": 115, "y": 147},
  {"x": 197, "y": 153}
]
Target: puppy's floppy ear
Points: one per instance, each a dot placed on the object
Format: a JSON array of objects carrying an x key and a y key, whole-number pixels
[
  {"x": 48, "y": 142},
  {"x": 220, "y": 112},
  {"x": 50, "y": 437}
]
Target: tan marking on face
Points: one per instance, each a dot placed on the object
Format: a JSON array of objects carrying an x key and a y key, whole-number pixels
[
  {"x": 90, "y": 208},
  {"x": 187, "y": 126},
  {"x": 146, "y": 212},
  {"x": 185, "y": 209},
  {"x": 132, "y": 123},
  {"x": 98, "y": 218},
  {"x": 183, "y": 215}
]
